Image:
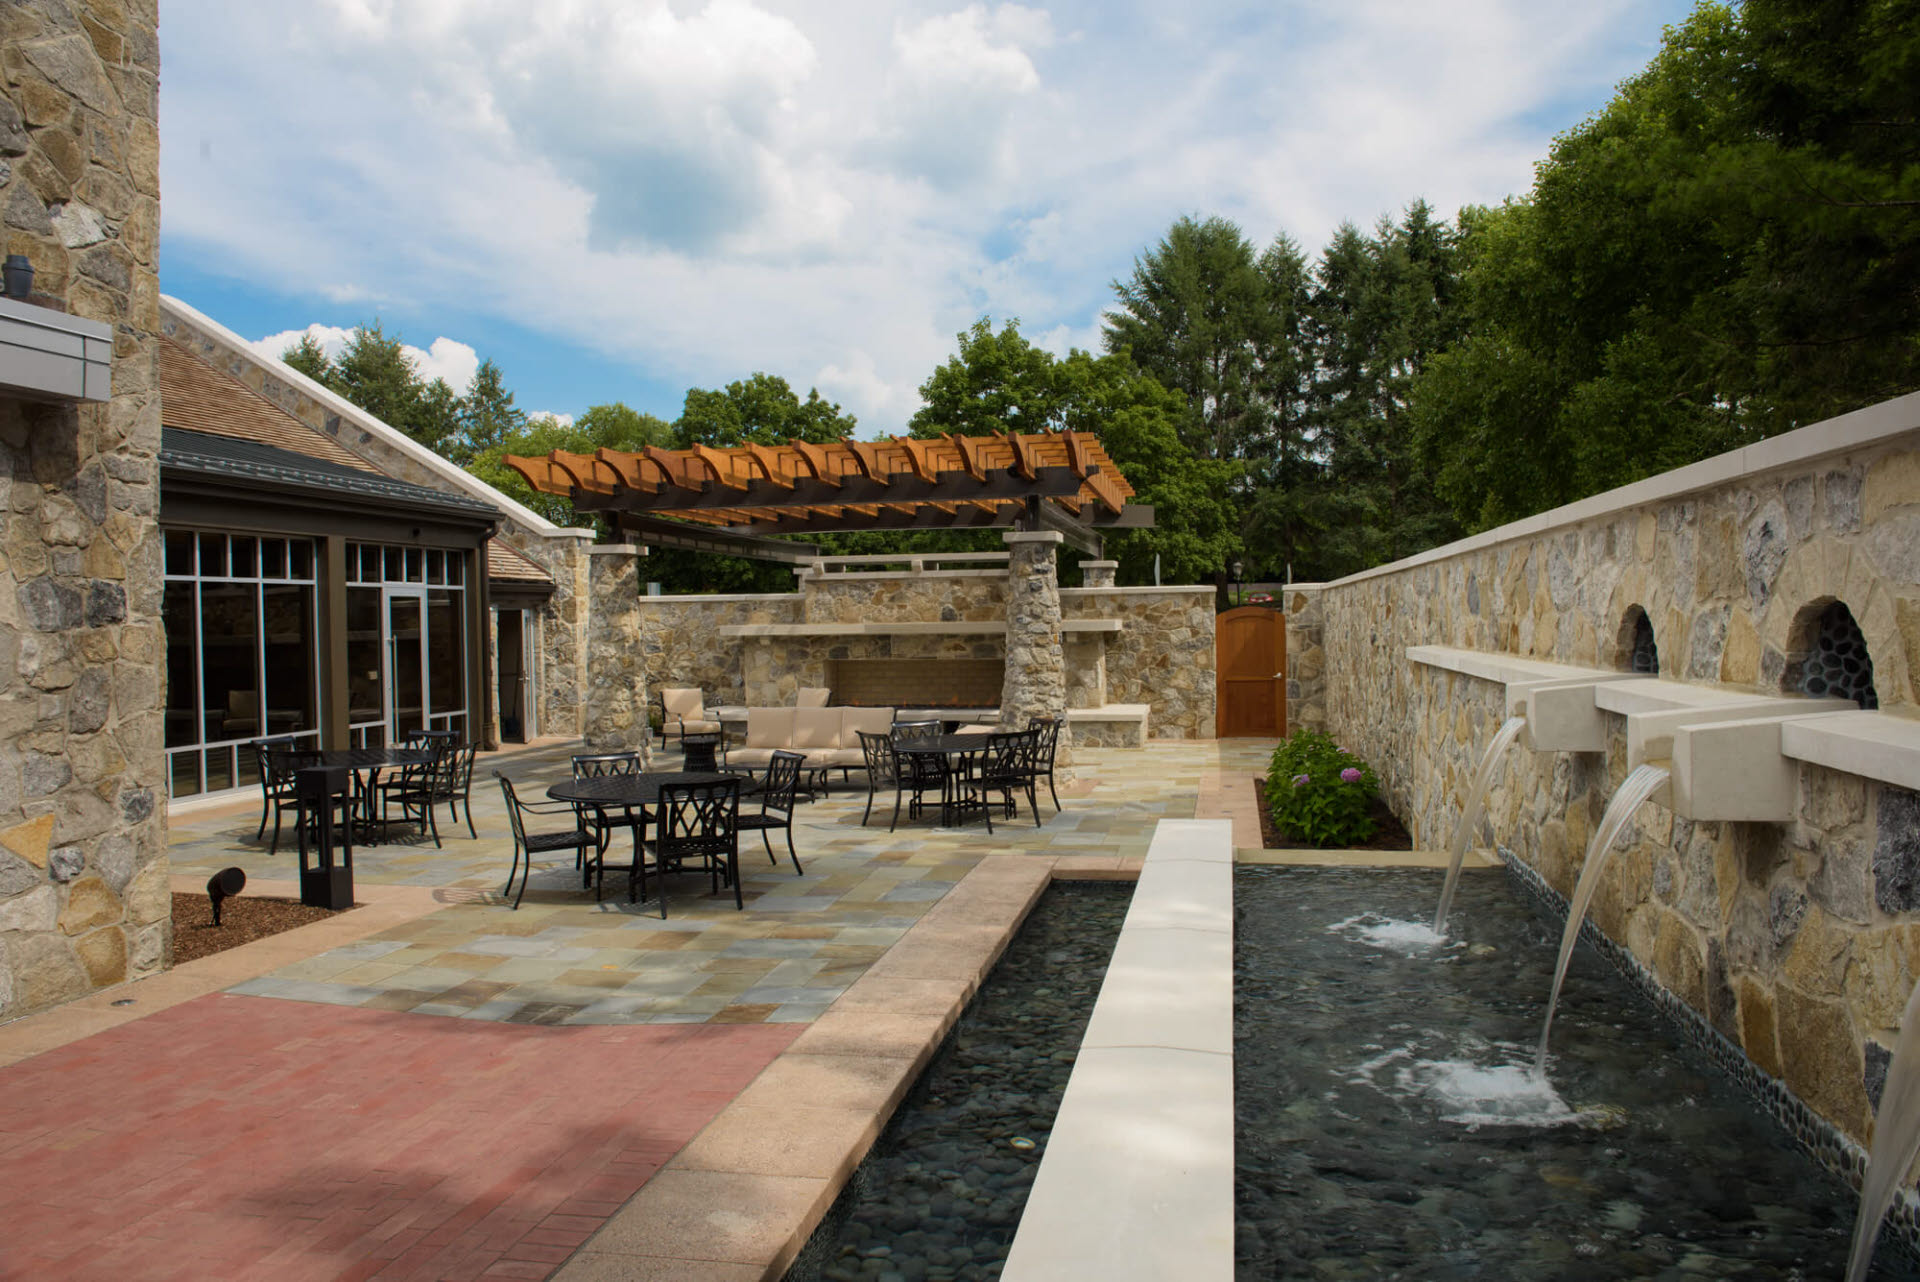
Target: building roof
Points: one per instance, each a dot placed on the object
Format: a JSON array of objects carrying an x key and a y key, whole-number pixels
[
  {"x": 505, "y": 563},
  {"x": 199, "y": 398},
  {"x": 230, "y": 458}
]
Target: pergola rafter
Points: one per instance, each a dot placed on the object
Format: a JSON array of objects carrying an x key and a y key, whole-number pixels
[{"x": 1054, "y": 480}]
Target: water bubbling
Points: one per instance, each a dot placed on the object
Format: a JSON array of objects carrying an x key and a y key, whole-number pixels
[{"x": 1390, "y": 934}]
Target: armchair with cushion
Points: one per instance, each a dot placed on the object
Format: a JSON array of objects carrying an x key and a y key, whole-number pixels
[{"x": 684, "y": 712}]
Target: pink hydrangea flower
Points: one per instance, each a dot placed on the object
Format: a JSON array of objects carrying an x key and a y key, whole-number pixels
[
  {"x": 1301, "y": 781},
  {"x": 1350, "y": 774}
]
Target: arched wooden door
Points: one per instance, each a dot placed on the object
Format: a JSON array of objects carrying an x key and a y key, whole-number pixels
[{"x": 1250, "y": 667}]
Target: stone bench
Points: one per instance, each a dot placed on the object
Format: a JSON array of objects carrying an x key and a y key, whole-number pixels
[{"x": 1112, "y": 725}]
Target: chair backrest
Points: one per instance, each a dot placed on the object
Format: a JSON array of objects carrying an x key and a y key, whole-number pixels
[
  {"x": 513, "y": 809},
  {"x": 812, "y": 697},
  {"x": 681, "y": 704},
  {"x": 1013, "y": 752},
  {"x": 600, "y": 765},
  {"x": 1048, "y": 740},
  {"x": 698, "y": 819},
  {"x": 461, "y": 777},
  {"x": 782, "y": 783},
  {"x": 915, "y": 731},
  {"x": 878, "y": 750},
  {"x": 770, "y": 727},
  {"x": 278, "y": 759}
]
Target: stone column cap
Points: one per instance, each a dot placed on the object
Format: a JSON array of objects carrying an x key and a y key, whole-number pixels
[
  {"x": 1099, "y": 565},
  {"x": 613, "y": 549},
  {"x": 1034, "y": 536}
]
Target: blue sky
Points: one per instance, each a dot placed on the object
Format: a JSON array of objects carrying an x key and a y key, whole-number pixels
[{"x": 619, "y": 199}]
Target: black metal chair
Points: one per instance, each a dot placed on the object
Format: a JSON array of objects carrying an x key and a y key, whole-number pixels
[
  {"x": 420, "y": 788},
  {"x": 526, "y": 845},
  {"x": 605, "y": 765},
  {"x": 882, "y": 767},
  {"x": 1010, "y": 766},
  {"x": 697, "y": 826},
  {"x": 276, "y": 760},
  {"x": 460, "y": 786},
  {"x": 1049, "y": 728},
  {"x": 916, "y": 773},
  {"x": 777, "y": 793}
]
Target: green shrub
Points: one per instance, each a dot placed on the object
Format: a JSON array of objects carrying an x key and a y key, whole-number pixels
[{"x": 1318, "y": 792}]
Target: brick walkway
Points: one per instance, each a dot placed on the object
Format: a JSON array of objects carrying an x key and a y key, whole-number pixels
[{"x": 241, "y": 1137}]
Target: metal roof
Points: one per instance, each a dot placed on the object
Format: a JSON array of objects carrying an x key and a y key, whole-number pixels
[{"x": 199, "y": 453}]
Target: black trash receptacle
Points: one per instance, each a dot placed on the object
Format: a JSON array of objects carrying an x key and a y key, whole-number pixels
[{"x": 325, "y": 883}]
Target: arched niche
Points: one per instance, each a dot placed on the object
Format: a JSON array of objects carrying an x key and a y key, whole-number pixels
[
  {"x": 1829, "y": 657},
  {"x": 1635, "y": 649}
]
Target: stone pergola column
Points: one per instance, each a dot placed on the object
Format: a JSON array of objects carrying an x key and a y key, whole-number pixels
[
  {"x": 1035, "y": 684},
  {"x": 616, "y": 685},
  {"x": 1099, "y": 574}
]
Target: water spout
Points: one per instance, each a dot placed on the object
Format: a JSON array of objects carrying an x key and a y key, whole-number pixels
[
  {"x": 1896, "y": 1139},
  {"x": 1470, "y": 815},
  {"x": 1642, "y": 783}
]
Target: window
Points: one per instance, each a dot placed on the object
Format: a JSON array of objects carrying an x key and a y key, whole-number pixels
[{"x": 242, "y": 656}]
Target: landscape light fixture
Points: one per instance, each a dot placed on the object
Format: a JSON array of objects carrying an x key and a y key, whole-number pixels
[
  {"x": 223, "y": 885},
  {"x": 16, "y": 278}
]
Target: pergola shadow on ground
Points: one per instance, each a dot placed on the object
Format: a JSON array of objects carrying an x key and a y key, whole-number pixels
[{"x": 477, "y": 1091}]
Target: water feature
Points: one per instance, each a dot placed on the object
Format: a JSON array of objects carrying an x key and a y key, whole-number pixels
[
  {"x": 1642, "y": 782},
  {"x": 1896, "y": 1139},
  {"x": 1390, "y": 1124},
  {"x": 940, "y": 1194},
  {"x": 1470, "y": 813}
]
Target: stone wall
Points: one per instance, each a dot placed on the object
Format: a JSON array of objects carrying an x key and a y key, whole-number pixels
[
  {"x": 1306, "y": 658},
  {"x": 1798, "y": 941},
  {"x": 84, "y": 897},
  {"x": 562, "y": 646},
  {"x": 1163, "y": 657},
  {"x": 616, "y": 714}
]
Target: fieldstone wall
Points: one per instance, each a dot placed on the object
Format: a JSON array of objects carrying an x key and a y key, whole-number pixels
[
  {"x": 1035, "y": 684},
  {"x": 1163, "y": 656},
  {"x": 563, "y": 617},
  {"x": 1306, "y": 658},
  {"x": 84, "y": 897},
  {"x": 616, "y": 686},
  {"x": 1798, "y": 942}
]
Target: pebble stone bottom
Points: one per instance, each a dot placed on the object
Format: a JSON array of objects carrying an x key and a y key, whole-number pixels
[{"x": 1824, "y": 1142}]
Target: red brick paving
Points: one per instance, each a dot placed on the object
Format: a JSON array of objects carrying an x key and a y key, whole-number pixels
[{"x": 252, "y": 1138}]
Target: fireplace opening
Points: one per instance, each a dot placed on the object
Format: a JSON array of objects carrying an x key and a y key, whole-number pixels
[{"x": 916, "y": 683}]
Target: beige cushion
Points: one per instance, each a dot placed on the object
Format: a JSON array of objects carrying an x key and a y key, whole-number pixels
[
  {"x": 838, "y": 757},
  {"x": 871, "y": 720},
  {"x": 811, "y": 697},
  {"x": 982, "y": 728},
  {"x": 816, "y": 728},
  {"x": 750, "y": 757},
  {"x": 770, "y": 727},
  {"x": 682, "y": 704},
  {"x": 699, "y": 727}
]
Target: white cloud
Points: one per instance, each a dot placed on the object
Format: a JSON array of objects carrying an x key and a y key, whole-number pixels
[
  {"x": 443, "y": 358},
  {"x": 827, "y": 191},
  {"x": 549, "y": 416}
]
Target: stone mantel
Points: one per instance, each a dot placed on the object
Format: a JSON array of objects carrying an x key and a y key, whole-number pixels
[{"x": 987, "y": 628}]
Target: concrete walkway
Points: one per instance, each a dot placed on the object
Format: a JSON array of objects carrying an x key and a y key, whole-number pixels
[{"x": 433, "y": 1085}]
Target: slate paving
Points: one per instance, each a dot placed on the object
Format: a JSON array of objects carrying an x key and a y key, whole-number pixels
[{"x": 563, "y": 958}]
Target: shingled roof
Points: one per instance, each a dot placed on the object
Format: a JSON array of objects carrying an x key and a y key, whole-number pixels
[{"x": 199, "y": 398}]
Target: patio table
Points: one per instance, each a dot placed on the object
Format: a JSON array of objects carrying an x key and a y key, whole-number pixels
[
  {"x": 956, "y": 753},
  {"x": 366, "y": 765}
]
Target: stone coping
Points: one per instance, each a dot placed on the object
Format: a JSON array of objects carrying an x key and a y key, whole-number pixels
[
  {"x": 1174, "y": 589},
  {"x": 981, "y": 628},
  {"x": 1874, "y": 745},
  {"x": 742, "y": 1199},
  {"x": 1137, "y": 1181},
  {"x": 1112, "y": 712},
  {"x": 1509, "y": 669},
  {"x": 1863, "y": 428}
]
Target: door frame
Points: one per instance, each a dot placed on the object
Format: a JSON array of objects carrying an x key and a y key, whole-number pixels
[{"x": 390, "y": 653}]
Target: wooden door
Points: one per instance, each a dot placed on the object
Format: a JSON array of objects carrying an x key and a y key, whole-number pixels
[{"x": 1250, "y": 666}]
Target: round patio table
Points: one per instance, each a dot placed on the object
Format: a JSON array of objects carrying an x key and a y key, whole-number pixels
[
  {"x": 632, "y": 793},
  {"x": 366, "y": 765},
  {"x": 956, "y": 753}
]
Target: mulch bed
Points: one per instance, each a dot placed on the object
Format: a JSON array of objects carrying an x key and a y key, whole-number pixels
[
  {"x": 243, "y": 919},
  {"x": 1389, "y": 834}
]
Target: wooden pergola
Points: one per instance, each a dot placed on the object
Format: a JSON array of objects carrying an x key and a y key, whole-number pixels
[{"x": 735, "y": 499}]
